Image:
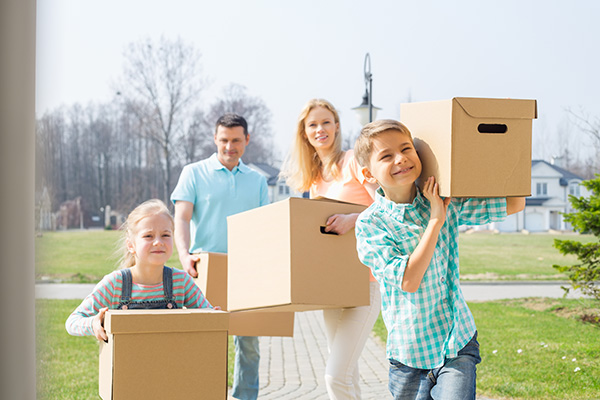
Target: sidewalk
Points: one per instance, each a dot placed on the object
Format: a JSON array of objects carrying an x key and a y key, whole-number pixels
[{"x": 293, "y": 368}]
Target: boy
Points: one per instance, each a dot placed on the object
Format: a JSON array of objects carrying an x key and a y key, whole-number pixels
[{"x": 409, "y": 239}]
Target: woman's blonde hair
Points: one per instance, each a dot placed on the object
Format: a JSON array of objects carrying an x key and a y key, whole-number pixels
[
  {"x": 303, "y": 166},
  {"x": 128, "y": 229}
]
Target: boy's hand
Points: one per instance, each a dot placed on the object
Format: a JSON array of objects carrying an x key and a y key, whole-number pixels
[
  {"x": 341, "y": 223},
  {"x": 439, "y": 206},
  {"x": 98, "y": 325}
]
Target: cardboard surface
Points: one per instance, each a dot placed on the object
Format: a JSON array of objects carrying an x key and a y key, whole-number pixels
[
  {"x": 148, "y": 350},
  {"x": 280, "y": 260},
  {"x": 212, "y": 280},
  {"x": 475, "y": 147}
]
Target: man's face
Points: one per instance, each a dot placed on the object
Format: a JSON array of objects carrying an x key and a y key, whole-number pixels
[{"x": 231, "y": 144}]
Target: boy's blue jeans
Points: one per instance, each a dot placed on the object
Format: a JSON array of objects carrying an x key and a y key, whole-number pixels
[
  {"x": 455, "y": 380},
  {"x": 245, "y": 369}
]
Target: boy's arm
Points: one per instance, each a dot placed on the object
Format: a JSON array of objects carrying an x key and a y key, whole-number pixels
[
  {"x": 514, "y": 205},
  {"x": 420, "y": 259}
]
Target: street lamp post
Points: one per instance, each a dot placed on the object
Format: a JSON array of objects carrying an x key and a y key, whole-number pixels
[{"x": 366, "y": 112}]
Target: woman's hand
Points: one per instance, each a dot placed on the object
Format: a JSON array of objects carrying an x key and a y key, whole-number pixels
[
  {"x": 439, "y": 206},
  {"x": 341, "y": 223},
  {"x": 98, "y": 325}
]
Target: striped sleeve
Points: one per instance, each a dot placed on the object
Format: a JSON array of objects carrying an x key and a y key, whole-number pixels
[
  {"x": 184, "y": 286},
  {"x": 106, "y": 294}
]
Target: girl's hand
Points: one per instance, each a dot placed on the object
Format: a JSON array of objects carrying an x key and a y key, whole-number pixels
[
  {"x": 98, "y": 325},
  {"x": 439, "y": 206},
  {"x": 341, "y": 223}
]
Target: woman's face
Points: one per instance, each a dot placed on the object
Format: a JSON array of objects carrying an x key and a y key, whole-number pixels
[{"x": 321, "y": 128}]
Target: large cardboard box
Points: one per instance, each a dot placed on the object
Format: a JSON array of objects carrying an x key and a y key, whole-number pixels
[
  {"x": 475, "y": 147},
  {"x": 212, "y": 280},
  {"x": 279, "y": 258},
  {"x": 164, "y": 354}
]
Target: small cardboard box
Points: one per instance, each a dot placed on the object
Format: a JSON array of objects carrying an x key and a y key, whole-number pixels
[
  {"x": 475, "y": 147},
  {"x": 164, "y": 354},
  {"x": 280, "y": 259},
  {"x": 212, "y": 280}
]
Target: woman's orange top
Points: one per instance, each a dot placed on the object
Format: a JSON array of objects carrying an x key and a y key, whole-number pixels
[{"x": 351, "y": 187}]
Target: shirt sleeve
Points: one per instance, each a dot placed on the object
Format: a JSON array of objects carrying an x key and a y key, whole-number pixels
[
  {"x": 378, "y": 250},
  {"x": 104, "y": 294},
  {"x": 476, "y": 211},
  {"x": 193, "y": 296},
  {"x": 185, "y": 190},
  {"x": 264, "y": 192}
]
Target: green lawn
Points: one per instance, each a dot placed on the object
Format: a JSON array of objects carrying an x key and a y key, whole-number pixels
[
  {"x": 86, "y": 256},
  {"x": 535, "y": 349}
]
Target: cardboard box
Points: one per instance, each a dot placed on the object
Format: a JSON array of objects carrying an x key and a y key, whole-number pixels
[
  {"x": 164, "y": 354},
  {"x": 474, "y": 147},
  {"x": 212, "y": 280},
  {"x": 279, "y": 258}
]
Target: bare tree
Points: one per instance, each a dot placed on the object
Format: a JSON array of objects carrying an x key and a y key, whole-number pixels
[
  {"x": 257, "y": 114},
  {"x": 161, "y": 84},
  {"x": 591, "y": 127}
]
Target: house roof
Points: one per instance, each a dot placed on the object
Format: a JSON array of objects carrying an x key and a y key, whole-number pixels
[
  {"x": 566, "y": 175},
  {"x": 272, "y": 173},
  {"x": 536, "y": 201}
]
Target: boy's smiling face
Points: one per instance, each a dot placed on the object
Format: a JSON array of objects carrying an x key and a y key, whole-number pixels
[{"x": 394, "y": 163}]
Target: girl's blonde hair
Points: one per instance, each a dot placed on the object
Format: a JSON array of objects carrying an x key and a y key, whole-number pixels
[
  {"x": 303, "y": 166},
  {"x": 128, "y": 229}
]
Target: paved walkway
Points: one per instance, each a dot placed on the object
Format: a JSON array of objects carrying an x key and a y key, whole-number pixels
[{"x": 293, "y": 368}]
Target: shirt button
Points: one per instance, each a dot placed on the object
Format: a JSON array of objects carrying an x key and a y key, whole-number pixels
[{"x": 443, "y": 280}]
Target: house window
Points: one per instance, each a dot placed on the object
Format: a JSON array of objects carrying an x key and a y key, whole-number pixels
[
  {"x": 281, "y": 189},
  {"x": 287, "y": 190},
  {"x": 542, "y": 189},
  {"x": 574, "y": 189}
]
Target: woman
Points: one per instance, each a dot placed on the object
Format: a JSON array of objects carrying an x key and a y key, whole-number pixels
[{"x": 318, "y": 164}]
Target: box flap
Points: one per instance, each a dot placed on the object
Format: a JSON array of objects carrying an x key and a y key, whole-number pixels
[
  {"x": 498, "y": 108},
  {"x": 152, "y": 321},
  {"x": 322, "y": 198}
]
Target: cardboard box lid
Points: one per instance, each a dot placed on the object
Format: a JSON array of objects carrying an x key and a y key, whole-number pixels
[
  {"x": 154, "y": 321},
  {"x": 498, "y": 108}
]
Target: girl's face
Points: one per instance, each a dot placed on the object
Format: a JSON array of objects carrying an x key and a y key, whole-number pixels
[
  {"x": 151, "y": 241},
  {"x": 321, "y": 128}
]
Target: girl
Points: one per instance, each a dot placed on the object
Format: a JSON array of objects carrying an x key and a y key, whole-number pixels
[
  {"x": 318, "y": 164},
  {"x": 143, "y": 281}
]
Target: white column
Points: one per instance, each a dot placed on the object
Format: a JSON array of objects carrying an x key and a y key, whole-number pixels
[{"x": 17, "y": 135}]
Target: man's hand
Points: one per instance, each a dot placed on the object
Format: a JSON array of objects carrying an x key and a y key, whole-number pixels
[
  {"x": 188, "y": 262},
  {"x": 98, "y": 325}
]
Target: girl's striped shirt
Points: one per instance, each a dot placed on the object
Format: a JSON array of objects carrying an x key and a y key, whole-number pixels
[{"x": 107, "y": 293}]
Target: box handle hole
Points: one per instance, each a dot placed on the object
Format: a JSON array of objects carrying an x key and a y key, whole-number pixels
[
  {"x": 324, "y": 232},
  {"x": 492, "y": 128}
]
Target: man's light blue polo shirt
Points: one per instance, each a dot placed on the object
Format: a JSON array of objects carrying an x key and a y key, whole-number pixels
[{"x": 216, "y": 194}]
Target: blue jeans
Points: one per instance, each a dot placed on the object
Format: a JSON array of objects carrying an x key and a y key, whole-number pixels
[
  {"x": 456, "y": 379},
  {"x": 245, "y": 370}
]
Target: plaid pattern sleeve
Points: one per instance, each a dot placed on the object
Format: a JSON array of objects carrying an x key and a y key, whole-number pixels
[{"x": 434, "y": 323}]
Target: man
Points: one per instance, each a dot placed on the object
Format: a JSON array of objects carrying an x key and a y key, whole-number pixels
[{"x": 207, "y": 192}]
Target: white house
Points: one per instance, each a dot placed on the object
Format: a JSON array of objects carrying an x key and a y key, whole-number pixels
[
  {"x": 551, "y": 186},
  {"x": 278, "y": 190}
]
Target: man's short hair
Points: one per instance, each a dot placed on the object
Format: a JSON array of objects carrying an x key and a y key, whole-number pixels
[
  {"x": 364, "y": 143},
  {"x": 231, "y": 120}
]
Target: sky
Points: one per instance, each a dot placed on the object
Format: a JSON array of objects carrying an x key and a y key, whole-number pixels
[{"x": 287, "y": 52}]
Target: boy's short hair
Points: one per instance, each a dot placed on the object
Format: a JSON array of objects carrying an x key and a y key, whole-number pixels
[{"x": 364, "y": 143}]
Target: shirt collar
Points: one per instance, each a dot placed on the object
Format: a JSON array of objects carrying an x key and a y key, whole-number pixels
[
  {"x": 214, "y": 163},
  {"x": 398, "y": 209}
]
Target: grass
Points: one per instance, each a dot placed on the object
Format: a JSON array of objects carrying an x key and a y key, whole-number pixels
[
  {"x": 531, "y": 348},
  {"x": 513, "y": 256},
  {"x": 67, "y": 366},
  {"x": 86, "y": 256}
]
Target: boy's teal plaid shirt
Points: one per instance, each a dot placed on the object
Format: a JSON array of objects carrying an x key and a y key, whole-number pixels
[{"x": 435, "y": 322}]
